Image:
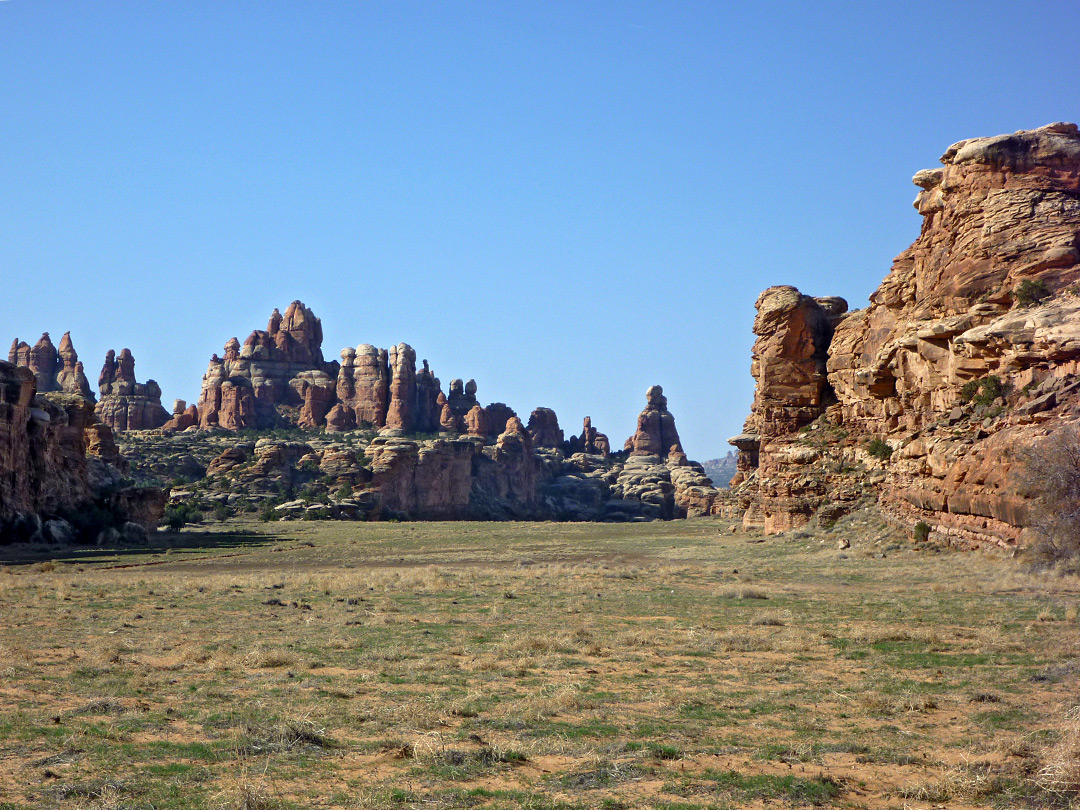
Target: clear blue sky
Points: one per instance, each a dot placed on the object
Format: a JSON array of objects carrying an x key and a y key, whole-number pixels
[{"x": 567, "y": 201}]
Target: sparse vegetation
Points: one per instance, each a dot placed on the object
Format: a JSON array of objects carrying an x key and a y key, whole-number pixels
[{"x": 921, "y": 531}]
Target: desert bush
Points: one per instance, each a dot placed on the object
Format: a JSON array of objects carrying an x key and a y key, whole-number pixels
[
  {"x": 1030, "y": 292},
  {"x": 922, "y": 531},
  {"x": 879, "y": 449},
  {"x": 1052, "y": 468},
  {"x": 990, "y": 388}
]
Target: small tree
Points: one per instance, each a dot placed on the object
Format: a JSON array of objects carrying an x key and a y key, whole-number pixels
[
  {"x": 1030, "y": 292},
  {"x": 176, "y": 517},
  {"x": 1052, "y": 468}
]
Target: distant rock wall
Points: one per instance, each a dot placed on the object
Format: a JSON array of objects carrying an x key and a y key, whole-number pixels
[{"x": 459, "y": 476}]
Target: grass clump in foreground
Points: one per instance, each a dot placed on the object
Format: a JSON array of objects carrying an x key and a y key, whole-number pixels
[{"x": 537, "y": 665}]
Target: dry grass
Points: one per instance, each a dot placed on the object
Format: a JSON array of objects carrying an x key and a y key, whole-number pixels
[
  {"x": 518, "y": 665},
  {"x": 1060, "y": 773}
]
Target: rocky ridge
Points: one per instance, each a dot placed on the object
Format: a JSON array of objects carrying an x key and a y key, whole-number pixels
[{"x": 967, "y": 352}]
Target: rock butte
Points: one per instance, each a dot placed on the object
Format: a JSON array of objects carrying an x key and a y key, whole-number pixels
[{"x": 1000, "y": 212}]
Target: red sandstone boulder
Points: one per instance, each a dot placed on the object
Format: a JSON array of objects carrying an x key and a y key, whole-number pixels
[
  {"x": 497, "y": 414},
  {"x": 340, "y": 418},
  {"x": 448, "y": 421},
  {"x": 462, "y": 396},
  {"x": 183, "y": 417},
  {"x": 476, "y": 422}
]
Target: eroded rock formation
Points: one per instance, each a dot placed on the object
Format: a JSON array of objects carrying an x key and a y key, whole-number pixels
[
  {"x": 53, "y": 369},
  {"x": 277, "y": 376},
  {"x": 183, "y": 417},
  {"x": 967, "y": 352},
  {"x": 126, "y": 404},
  {"x": 656, "y": 433},
  {"x": 544, "y": 428},
  {"x": 591, "y": 441}
]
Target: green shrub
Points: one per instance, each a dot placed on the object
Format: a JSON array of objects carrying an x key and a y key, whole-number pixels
[
  {"x": 922, "y": 531},
  {"x": 990, "y": 388},
  {"x": 879, "y": 449},
  {"x": 982, "y": 392},
  {"x": 1030, "y": 292},
  {"x": 266, "y": 512},
  {"x": 221, "y": 512},
  {"x": 177, "y": 517}
]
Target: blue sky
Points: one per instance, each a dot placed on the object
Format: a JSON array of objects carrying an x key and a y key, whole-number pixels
[{"x": 567, "y": 201}]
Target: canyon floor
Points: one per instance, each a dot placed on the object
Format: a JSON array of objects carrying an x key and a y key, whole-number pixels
[{"x": 673, "y": 665}]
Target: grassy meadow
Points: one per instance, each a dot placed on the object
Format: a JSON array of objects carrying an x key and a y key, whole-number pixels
[{"x": 548, "y": 666}]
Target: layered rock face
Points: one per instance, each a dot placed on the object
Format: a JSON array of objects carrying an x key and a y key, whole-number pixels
[
  {"x": 126, "y": 404},
  {"x": 363, "y": 386},
  {"x": 789, "y": 366},
  {"x": 466, "y": 476},
  {"x": 966, "y": 352}
]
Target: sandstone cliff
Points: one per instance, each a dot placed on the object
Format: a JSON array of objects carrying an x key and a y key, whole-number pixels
[{"x": 967, "y": 351}]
